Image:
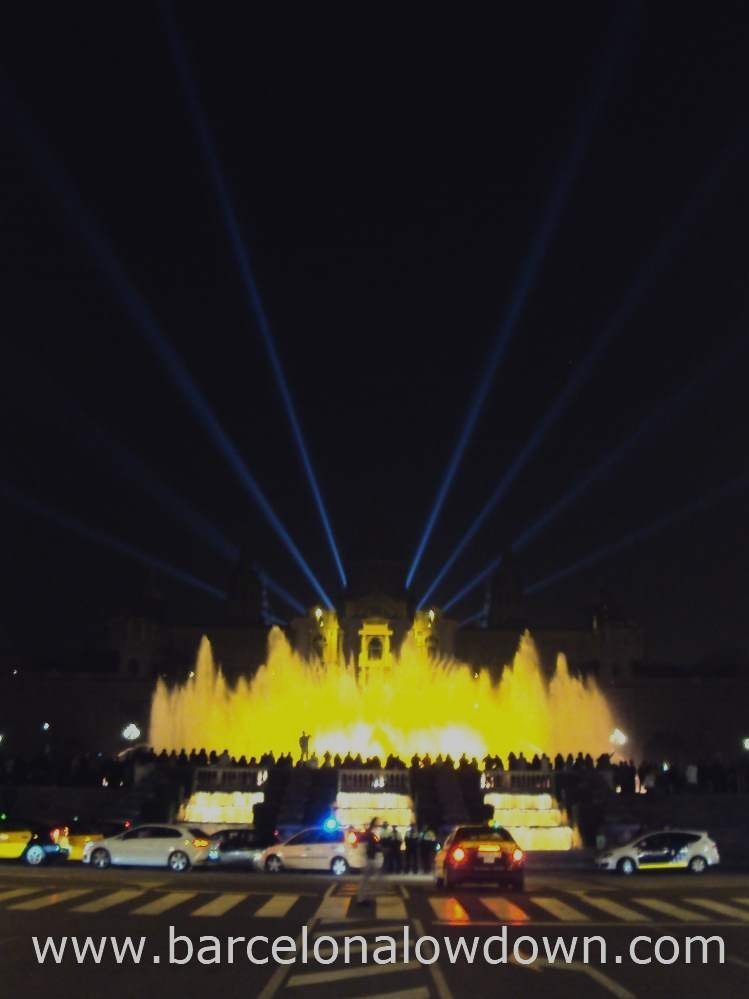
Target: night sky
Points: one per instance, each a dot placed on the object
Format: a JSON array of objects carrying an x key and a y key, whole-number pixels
[{"x": 389, "y": 175}]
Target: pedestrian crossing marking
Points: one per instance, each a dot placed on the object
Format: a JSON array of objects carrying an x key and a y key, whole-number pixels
[
  {"x": 167, "y": 901},
  {"x": 559, "y": 909},
  {"x": 221, "y": 904},
  {"x": 449, "y": 910},
  {"x": 615, "y": 909},
  {"x": 16, "y": 893},
  {"x": 47, "y": 900},
  {"x": 109, "y": 901},
  {"x": 505, "y": 910},
  {"x": 391, "y": 907},
  {"x": 667, "y": 909},
  {"x": 732, "y": 911},
  {"x": 325, "y": 977},
  {"x": 333, "y": 908},
  {"x": 276, "y": 907}
]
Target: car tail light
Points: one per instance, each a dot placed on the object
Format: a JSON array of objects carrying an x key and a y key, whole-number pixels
[
  {"x": 517, "y": 854},
  {"x": 197, "y": 843},
  {"x": 458, "y": 854},
  {"x": 352, "y": 839},
  {"x": 128, "y": 823},
  {"x": 54, "y": 835},
  {"x": 65, "y": 831}
]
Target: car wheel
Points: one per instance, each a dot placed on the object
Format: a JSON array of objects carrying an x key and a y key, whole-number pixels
[
  {"x": 179, "y": 862},
  {"x": 697, "y": 865},
  {"x": 35, "y": 855},
  {"x": 100, "y": 859},
  {"x": 273, "y": 864},
  {"x": 339, "y": 866},
  {"x": 626, "y": 866}
]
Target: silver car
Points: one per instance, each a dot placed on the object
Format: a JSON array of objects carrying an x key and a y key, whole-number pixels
[
  {"x": 157, "y": 844},
  {"x": 238, "y": 847}
]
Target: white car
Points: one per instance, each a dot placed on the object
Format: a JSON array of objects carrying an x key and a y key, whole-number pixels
[
  {"x": 175, "y": 846},
  {"x": 335, "y": 850},
  {"x": 675, "y": 849}
]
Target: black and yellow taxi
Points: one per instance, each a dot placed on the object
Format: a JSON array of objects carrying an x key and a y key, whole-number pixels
[
  {"x": 33, "y": 842},
  {"x": 481, "y": 854}
]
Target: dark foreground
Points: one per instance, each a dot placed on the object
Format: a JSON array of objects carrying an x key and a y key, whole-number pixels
[{"x": 75, "y": 901}]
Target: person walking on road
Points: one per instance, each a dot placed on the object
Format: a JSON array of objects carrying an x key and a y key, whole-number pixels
[{"x": 371, "y": 870}]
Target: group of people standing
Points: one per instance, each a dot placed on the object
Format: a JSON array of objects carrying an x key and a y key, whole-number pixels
[{"x": 413, "y": 853}]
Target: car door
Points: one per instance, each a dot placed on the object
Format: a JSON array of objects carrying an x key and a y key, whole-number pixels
[
  {"x": 322, "y": 849},
  {"x": 234, "y": 847},
  {"x": 162, "y": 841},
  {"x": 130, "y": 847},
  {"x": 654, "y": 851},
  {"x": 296, "y": 852},
  {"x": 13, "y": 840},
  {"x": 679, "y": 844}
]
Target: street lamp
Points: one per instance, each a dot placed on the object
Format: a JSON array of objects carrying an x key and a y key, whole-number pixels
[
  {"x": 46, "y": 726},
  {"x": 745, "y": 742},
  {"x": 618, "y": 738},
  {"x": 131, "y": 732}
]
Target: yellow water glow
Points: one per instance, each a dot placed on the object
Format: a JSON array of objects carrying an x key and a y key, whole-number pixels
[{"x": 418, "y": 706}]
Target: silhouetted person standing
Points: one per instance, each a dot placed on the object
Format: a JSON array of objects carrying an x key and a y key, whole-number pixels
[{"x": 304, "y": 746}]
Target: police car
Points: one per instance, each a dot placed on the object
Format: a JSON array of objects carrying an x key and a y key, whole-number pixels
[{"x": 667, "y": 849}]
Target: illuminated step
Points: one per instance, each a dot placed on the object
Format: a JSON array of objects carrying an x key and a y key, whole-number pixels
[
  {"x": 449, "y": 910},
  {"x": 549, "y": 819},
  {"x": 615, "y": 909},
  {"x": 108, "y": 901},
  {"x": 732, "y": 911},
  {"x": 169, "y": 900},
  {"x": 222, "y": 903},
  {"x": 542, "y": 838},
  {"x": 505, "y": 910},
  {"x": 47, "y": 900},
  {"x": 559, "y": 909},
  {"x": 276, "y": 907},
  {"x": 680, "y": 913}
]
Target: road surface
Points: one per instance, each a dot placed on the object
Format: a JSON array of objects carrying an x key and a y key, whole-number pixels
[{"x": 149, "y": 905}]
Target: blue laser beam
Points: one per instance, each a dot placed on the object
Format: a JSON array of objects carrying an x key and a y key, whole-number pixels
[
  {"x": 97, "y": 440},
  {"x": 472, "y": 618},
  {"x": 698, "y": 505},
  {"x": 270, "y": 583},
  {"x": 247, "y": 276},
  {"x": 663, "y": 415},
  {"x": 53, "y": 172},
  {"x": 98, "y": 537},
  {"x": 661, "y": 256},
  {"x": 586, "y": 117}
]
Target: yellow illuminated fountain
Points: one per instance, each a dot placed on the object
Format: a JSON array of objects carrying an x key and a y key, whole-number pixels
[{"x": 417, "y": 706}]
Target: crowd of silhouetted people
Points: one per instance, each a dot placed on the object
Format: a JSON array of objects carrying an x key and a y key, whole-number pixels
[{"x": 714, "y": 775}]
